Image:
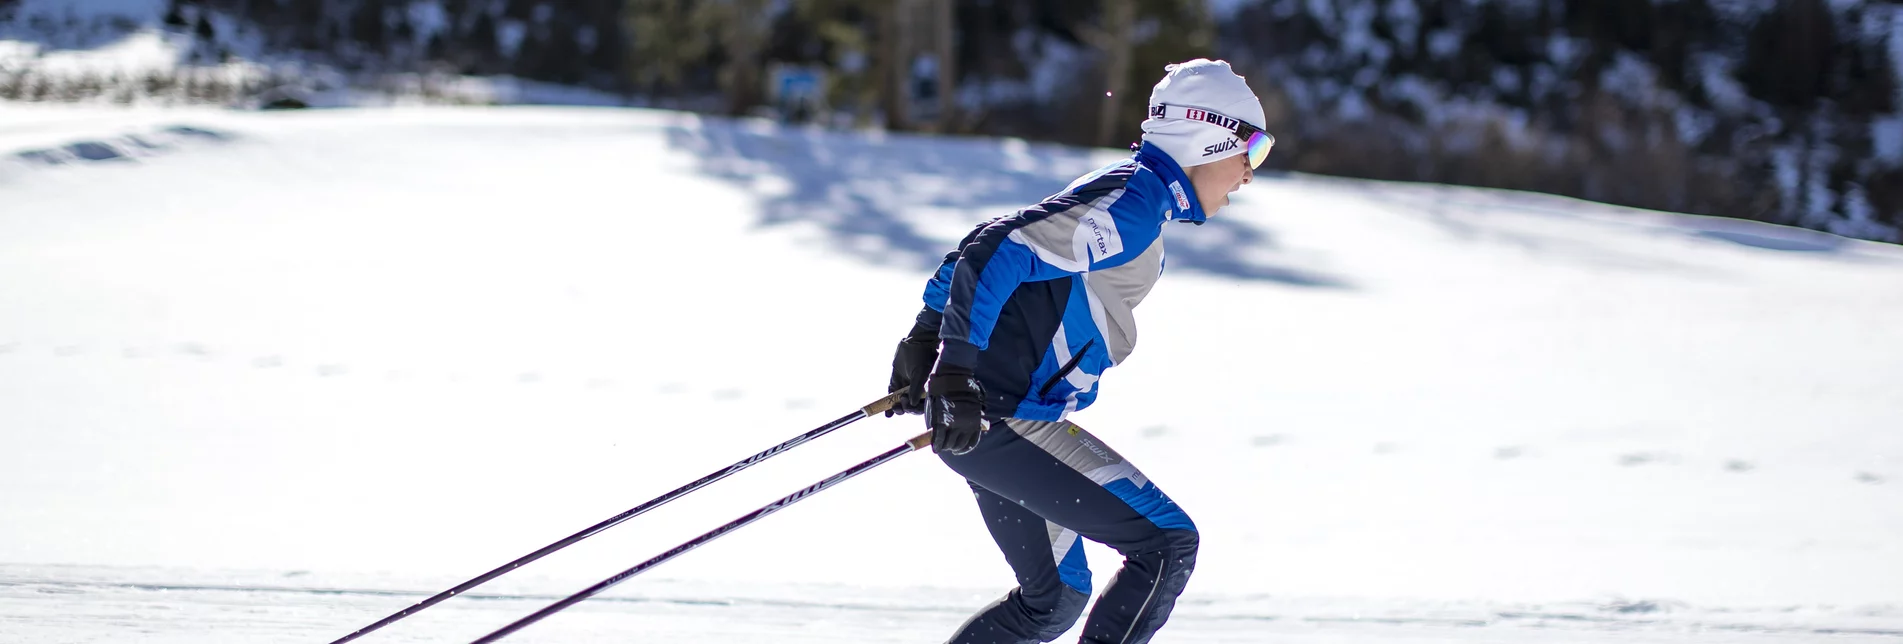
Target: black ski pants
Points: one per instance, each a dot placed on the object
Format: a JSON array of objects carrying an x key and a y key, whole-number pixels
[{"x": 1041, "y": 486}]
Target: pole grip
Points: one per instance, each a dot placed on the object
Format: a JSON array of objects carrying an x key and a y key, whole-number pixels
[
  {"x": 879, "y": 406},
  {"x": 920, "y": 441}
]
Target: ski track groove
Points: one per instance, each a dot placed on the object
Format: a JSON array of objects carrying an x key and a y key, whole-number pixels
[{"x": 70, "y": 590}]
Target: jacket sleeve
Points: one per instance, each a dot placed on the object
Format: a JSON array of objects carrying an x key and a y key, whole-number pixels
[{"x": 1065, "y": 236}]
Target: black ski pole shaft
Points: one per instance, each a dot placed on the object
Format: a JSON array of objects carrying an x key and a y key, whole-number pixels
[
  {"x": 917, "y": 442},
  {"x": 877, "y": 406}
]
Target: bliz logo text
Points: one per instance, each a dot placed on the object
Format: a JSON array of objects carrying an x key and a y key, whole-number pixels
[{"x": 1213, "y": 118}]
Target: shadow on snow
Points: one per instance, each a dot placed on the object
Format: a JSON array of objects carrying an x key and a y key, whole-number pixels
[{"x": 896, "y": 200}]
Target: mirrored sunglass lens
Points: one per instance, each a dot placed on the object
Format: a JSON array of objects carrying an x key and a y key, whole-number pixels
[{"x": 1259, "y": 144}]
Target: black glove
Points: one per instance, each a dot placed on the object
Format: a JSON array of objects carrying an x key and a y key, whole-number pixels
[
  {"x": 955, "y": 410},
  {"x": 911, "y": 365}
]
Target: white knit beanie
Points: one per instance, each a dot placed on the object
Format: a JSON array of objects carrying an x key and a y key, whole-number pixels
[{"x": 1206, "y": 84}]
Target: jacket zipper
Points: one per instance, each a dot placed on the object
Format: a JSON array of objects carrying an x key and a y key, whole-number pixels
[{"x": 1068, "y": 367}]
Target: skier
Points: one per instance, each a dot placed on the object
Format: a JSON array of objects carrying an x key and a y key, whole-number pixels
[{"x": 1020, "y": 322}]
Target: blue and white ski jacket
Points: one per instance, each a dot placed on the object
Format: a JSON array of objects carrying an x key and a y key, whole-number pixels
[{"x": 1040, "y": 302}]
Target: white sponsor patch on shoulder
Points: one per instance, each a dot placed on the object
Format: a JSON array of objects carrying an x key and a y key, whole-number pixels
[
  {"x": 1182, "y": 200},
  {"x": 1098, "y": 230}
]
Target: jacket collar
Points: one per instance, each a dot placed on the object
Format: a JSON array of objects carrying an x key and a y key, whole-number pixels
[{"x": 1183, "y": 203}]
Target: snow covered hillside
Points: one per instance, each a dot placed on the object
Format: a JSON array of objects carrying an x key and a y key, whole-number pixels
[{"x": 268, "y": 377}]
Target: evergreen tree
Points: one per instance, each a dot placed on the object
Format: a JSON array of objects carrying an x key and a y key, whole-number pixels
[
  {"x": 1788, "y": 55},
  {"x": 739, "y": 27},
  {"x": 665, "y": 50},
  {"x": 1131, "y": 60},
  {"x": 403, "y": 36},
  {"x": 484, "y": 52},
  {"x": 204, "y": 30},
  {"x": 368, "y": 28},
  {"x": 307, "y": 20},
  {"x": 522, "y": 10},
  {"x": 436, "y": 50},
  {"x": 608, "y": 55},
  {"x": 174, "y": 17},
  {"x": 530, "y": 59},
  {"x": 562, "y": 58}
]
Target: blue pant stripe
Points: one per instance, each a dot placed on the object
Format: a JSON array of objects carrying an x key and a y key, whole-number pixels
[{"x": 1152, "y": 503}]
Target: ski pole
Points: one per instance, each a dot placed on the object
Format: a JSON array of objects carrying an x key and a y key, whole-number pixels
[
  {"x": 917, "y": 442},
  {"x": 877, "y": 406}
]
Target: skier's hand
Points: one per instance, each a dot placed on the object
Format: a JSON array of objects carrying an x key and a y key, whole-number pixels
[
  {"x": 911, "y": 365},
  {"x": 955, "y": 410}
]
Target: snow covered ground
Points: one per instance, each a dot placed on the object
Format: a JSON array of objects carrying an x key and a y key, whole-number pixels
[{"x": 270, "y": 377}]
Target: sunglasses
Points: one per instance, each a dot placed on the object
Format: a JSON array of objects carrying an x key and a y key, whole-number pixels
[{"x": 1258, "y": 141}]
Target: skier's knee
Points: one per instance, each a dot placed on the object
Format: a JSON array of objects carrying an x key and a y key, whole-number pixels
[
  {"x": 1170, "y": 558},
  {"x": 1177, "y": 547},
  {"x": 1180, "y": 560},
  {"x": 1180, "y": 547}
]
